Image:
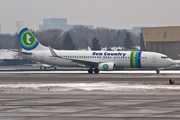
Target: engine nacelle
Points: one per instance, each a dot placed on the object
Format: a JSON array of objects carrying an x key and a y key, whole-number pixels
[{"x": 106, "y": 66}]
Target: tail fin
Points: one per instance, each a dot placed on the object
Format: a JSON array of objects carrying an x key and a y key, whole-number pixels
[{"x": 27, "y": 39}]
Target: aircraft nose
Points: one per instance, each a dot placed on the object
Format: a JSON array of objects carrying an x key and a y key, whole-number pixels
[{"x": 171, "y": 62}]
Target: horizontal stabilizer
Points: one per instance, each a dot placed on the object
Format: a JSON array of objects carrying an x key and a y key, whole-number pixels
[{"x": 23, "y": 52}]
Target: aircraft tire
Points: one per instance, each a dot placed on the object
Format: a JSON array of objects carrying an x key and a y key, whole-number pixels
[
  {"x": 157, "y": 71},
  {"x": 96, "y": 70},
  {"x": 90, "y": 71}
]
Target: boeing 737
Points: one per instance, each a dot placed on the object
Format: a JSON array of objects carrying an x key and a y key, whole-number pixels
[{"x": 94, "y": 60}]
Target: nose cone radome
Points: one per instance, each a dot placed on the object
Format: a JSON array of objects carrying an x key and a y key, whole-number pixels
[{"x": 171, "y": 62}]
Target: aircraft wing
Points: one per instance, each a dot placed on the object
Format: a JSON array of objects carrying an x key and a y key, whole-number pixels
[{"x": 85, "y": 62}]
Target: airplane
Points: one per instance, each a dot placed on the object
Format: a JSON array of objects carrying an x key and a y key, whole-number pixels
[{"x": 94, "y": 60}]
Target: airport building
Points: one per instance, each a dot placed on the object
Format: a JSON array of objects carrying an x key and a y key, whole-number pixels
[
  {"x": 59, "y": 23},
  {"x": 0, "y": 28},
  {"x": 164, "y": 40}
]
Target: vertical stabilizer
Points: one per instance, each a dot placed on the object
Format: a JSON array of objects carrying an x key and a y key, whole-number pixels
[{"x": 27, "y": 39}]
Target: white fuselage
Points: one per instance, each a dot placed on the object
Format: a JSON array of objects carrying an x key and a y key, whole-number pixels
[
  {"x": 99, "y": 60},
  {"x": 121, "y": 59}
]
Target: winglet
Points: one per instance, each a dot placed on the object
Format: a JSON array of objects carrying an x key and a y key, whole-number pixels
[{"x": 53, "y": 53}]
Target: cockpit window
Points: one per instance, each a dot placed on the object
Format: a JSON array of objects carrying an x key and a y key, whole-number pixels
[{"x": 164, "y": 57}]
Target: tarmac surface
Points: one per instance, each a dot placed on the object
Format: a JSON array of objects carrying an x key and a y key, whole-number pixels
[
  {"x": 89, "y": 107},
  {"x": 79, "y": 96}
]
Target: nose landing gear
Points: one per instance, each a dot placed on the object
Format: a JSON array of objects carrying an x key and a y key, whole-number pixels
[{"x": 157, "y": 71}]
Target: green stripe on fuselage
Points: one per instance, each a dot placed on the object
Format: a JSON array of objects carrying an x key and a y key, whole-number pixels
[{"x": 133, "y": 59}]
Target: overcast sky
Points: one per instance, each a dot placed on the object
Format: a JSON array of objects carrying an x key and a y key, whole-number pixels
[{"x": 117, "y": 14}]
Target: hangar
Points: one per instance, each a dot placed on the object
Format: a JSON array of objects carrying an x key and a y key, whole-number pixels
[{"x": 164, "y": 40}]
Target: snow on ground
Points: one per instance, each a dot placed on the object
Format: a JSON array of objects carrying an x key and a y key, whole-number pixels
[
  {"x": 7, "y": 54},
  {"x": 91, "y": 88}
]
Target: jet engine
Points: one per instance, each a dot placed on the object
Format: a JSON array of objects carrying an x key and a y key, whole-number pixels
[{"x": 106, "y": 66}]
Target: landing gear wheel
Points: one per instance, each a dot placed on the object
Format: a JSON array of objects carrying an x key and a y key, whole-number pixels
[
  {"x": 44, "y": 68},
  {"x": 55, "y": 68},
  {"x": 90, "y": 71},
  {"x": 157, "y": 71},
  {"x": 96, "y": 70}
]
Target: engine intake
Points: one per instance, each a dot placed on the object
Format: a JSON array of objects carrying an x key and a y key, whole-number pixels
[{"x": 106, "y": 66}]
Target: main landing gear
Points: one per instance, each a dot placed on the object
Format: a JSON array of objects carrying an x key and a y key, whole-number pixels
[
  {"x": 90, "y": 71},
  {"x": 96, "y": 70}
]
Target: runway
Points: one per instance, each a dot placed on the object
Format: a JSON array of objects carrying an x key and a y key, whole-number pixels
[
  {"x": 79, "y": 96},
  {"x": 89, "y": 107}
]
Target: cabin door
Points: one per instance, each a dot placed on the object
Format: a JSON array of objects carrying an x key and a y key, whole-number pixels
[
  {"x": 154, "y": 57},
  {"x": 42, "y": 57}
]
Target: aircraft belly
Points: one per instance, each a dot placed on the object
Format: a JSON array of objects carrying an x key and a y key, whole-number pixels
[
  {"x": 123, "y": 64},
  {"x": 145, "y": 64},
  {"x": 149, "y": 64}
]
